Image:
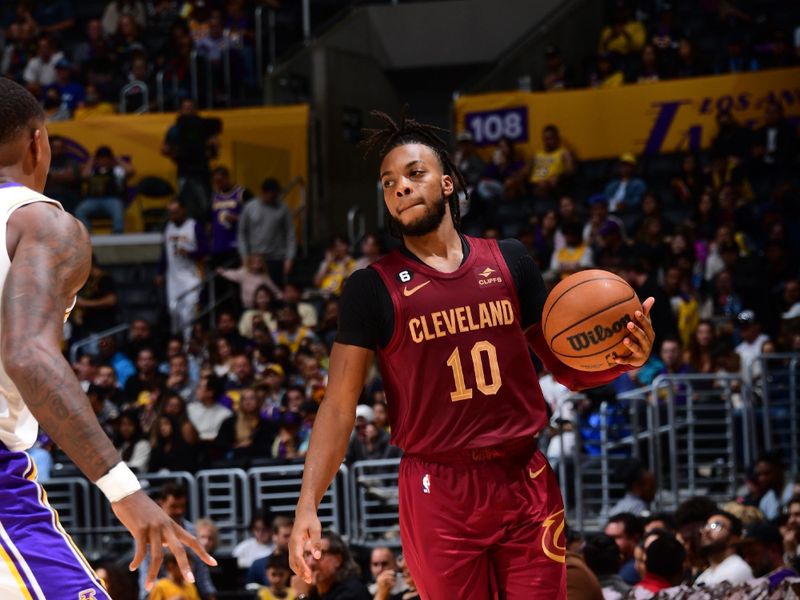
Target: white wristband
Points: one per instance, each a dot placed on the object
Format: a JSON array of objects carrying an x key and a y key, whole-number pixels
[{"x": 120, "y": 482}]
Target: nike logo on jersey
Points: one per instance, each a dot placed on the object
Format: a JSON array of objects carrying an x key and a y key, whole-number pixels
[
  {"x": 408, "y": 292},
  {"x": 535, "y": 474}
]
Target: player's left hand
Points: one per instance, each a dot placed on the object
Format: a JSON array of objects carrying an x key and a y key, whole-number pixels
[{"x": 640, "y": 339}]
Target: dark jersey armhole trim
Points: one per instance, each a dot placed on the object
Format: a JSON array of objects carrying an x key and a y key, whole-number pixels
[
  {"x": 395, "y": 339},
  {"x": 506, "y": 269}
]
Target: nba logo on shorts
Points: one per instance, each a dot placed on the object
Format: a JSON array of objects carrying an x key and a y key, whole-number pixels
[
  {"x": 87, "y": 595},
  {"x": 426, "y": 484}
]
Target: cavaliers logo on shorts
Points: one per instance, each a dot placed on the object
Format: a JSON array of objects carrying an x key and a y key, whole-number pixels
[{"x": 554, "y": 545}]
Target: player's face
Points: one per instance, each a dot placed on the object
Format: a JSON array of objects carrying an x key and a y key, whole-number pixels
[{"x": 415, "y": 189}]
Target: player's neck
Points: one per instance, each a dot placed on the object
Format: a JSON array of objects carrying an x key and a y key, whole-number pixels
[
  {"x": 440, "y": 249},
  {"x": 16, "y": 174}
]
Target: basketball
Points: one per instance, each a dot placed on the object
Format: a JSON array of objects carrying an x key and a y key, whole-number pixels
[{"x": 585, "y": 319}]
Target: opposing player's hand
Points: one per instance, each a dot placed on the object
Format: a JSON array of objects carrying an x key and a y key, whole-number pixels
[
  {"x": 640, "y": 339},
  {"x": 150, "y": 526},
  {"x": 307, "y": 532}
]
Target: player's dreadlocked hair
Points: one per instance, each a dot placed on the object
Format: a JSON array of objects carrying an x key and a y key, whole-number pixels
[
  {"x": 411, "y": 131},
  {"x": 18, "y": 107}
]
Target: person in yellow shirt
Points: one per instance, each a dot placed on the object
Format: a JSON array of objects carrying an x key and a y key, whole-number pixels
[
  {"x": 278, "y": 575},
  {"x": 606, "y": 74},
  {"x": 173, "y": 586},
  {"x": 335, "y": 268},
  {"x": 551, "y": 165},
  {"x": 624, "y": 36},
  {"x": 92, "y": 105}
]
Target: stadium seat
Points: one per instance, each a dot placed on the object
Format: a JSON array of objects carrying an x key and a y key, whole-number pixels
[{"x": 149, "y": 205}]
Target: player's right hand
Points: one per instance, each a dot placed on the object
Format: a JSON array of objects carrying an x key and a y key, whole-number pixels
[
  {"x": 306, "y": 533},
  {"x": 150, "y": 526}
]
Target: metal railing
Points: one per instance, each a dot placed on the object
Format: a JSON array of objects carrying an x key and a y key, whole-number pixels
[
  {"x": 692, "y": 431},
  {"x": 356, "y": 225},
  {"x": 95, "y": 338},
  {"x": 301, "y": 210},
  {"x": 135, "y": 86}
]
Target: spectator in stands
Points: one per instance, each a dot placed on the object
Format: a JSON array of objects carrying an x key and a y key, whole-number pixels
[
  {"x": 762, "y": 549},
  {"x": 292, "y": 294},
  {"x": 41, "y": 69},
  {"x": 127, "y": 43},
  {"x": 250, "y": 277},
  {"x": 106, "y": 179},
  {"x": 574, "y": 256},
  {"x": 174, "y": 585},
  {"x": 105, "y": 410},
  {"x": 93, "y": 105},
  {"x": 737, "y": 58},
  {"x": 108, "y": 353},
  {"x": 178, "y": 380},
  {"x": 613, "y": 249},
  {"x": 671, "y": 355},
  {"x": 64, "y": 176},
  {"x": 246, "y": 434},
  {"x": 557, "y": 76},
  {"x": 116, "y": 9},
  {"x": 52, "y": 17},
  {"x": 190, "y": 143},
  {"x": 371, "y": 251},
  {"x": 369, "y": 441},
  {"x": 775, "y": 144},
  {"x": 791, "y": 532},
  {"x": 54, "y": 109},
  {"x": 382, "y": 560},
  {"x": 719, "y": 539},
  {"x": 598, "y": 216},
  {"x": 732, "y": 140},
  {"x": 240, "y": 376},
  {"x": 226, "y": 327},
  {"x": 133, "y": 447},
  {"x": 687, "y": 62},
  {"x": 106, "y": 382},
  {"x": 603, "y": 558},
  {"x": 581, "y": 582},
  {"x": 552, "y": 166},
  {"x": 606, "y": 74},
  {"x": 258, "y": 545},
  {"x": 17, "y": 51},
  {"x": 334, "y": 268},
  {"x": 626, "y": 530},
  {"x": 184, "y": 248},
  {"x": 221, "y": 356},
  {"x": 72, "y": 92},
  {"x": 699, "y": 355},
  {"x": 504, "y": 176},
  {"x": 173, "y": 499},
  {"x": 207, "y": 535},
  {"x": 85, "y": 370},
  {"x": 86, "y": 49},
  {"x": 391, "y": 579},
  {"x": 752, "y": 341},
  {"x": 168, "y": 449},
  {"x": 260, "y": 312},
  {"x": 117, "y": 580},
  {"x": 266, "y": 228},
  {"x": 649, "y": 68},
  {"x": 227, "y": 202},
  {"x": 147, "y": 378},
  {"x": 772, "y": 492},
  {"x": 214, "y": 45},
  {"x": 335, "y": 572},
  {"x": 663, "y": 565},
  {"x": 96, "y": 304},
  {"x": 625, "y": 193},
  {"x": 140, "y": 336},
  {"x": 290, "y": 332},
  {"x": 174, "y": 406},
  {"x": 287, "y": 442},
  {"x": 624, "y": 36},
  {"x": 281, "y": 531},
  {"x": 207, "y": 414},
  {"x": 640, "y": 489},
  {"x": 278, "y": 576}
]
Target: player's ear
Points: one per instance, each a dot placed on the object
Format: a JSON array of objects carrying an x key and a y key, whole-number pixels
[
  {"x": 447, "y": 185},
  {"x": 37, "y": 146}
]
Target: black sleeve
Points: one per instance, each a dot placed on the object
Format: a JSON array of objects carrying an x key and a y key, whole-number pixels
[
  {"x": 527, "y": 279},
  {"x": 366, "y": 314}
]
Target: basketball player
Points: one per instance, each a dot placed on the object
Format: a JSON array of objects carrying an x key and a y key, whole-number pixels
[
  {"x": 47, "y": 261},
  {"x": 451, "y": 319}
]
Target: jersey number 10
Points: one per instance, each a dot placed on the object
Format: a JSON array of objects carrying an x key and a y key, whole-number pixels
[{"x": 487, "y": 388}]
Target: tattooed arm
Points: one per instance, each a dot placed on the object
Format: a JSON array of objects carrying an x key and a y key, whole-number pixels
[{"x": 50, "y": 261}]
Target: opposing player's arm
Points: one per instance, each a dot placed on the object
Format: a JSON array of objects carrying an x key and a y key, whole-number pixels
[
  {"x": 51, "y": 258},
  {"x": 329, "y": 439},
  {"x": 50, "y": 261}
]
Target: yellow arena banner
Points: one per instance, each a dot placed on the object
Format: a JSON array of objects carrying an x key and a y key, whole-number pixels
[
  {"x": 255, "y": 143},
  {"x": 645, "y": 118}
]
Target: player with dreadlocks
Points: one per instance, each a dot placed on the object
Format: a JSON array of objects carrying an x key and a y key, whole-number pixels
[{"x": 452, "y": 319}]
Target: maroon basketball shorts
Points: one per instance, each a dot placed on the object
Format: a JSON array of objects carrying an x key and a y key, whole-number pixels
[{"x": 478, "y": 529}]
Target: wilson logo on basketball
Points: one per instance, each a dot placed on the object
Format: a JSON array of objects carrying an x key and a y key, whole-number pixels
[
  {"x": 597, "y": 335},
  {"x": 484, "y": 277}
]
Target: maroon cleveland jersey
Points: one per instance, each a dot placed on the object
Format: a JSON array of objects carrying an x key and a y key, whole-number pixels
[{"x": 457, "y": 372}]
